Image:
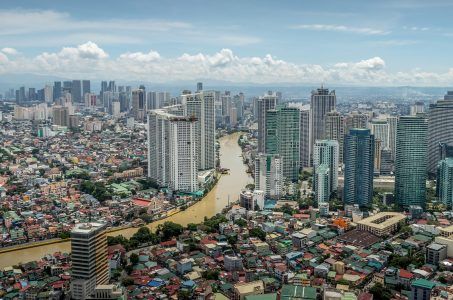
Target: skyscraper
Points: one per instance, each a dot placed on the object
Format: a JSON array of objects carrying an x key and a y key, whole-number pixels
[
  {"x": 411, "y": 163},
  {"x": 322, "y": 102},
  {"x": 201, "y": 105},
  {"x": 380, "y": 130},
  {"x": 56, "y": 90},
  {"x": 138, "y": 105},
  {"x": 172, "y": 158},
  {"x": 356, "y": 120},
  {"x": 269, "y": 174},
  {"x": 283, "y": 138},
  {"x": 392, "y": 122},
  {"x": 359, "y": 167},
  {"x": 305, "y": 138},
  {"x": 440, "y": 130},
  {"x": 89, "y": 259},
  {"x": 86, "y": 87},
  {"x": 76, "y": 91},
  {"x": 264, "y": 103},
  {"x": 445, "y": 182},
  {"x": 48, "y": 93},
  {"x": 325, "y": 165},
  {"x": 199, "y": 86},
  {"x": 335, "y": 130}
]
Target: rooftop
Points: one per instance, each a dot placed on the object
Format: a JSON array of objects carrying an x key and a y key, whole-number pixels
[{"x": 382, "y": 220}]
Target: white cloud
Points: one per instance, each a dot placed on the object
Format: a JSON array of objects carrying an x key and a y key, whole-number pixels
[
  {"x": 341, "y": 28},
  {"x": 9, "y": 51},
  {"x": 90, "y": 61}
]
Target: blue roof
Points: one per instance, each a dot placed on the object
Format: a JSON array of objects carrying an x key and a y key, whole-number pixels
[{"x": 156, "y": 282}]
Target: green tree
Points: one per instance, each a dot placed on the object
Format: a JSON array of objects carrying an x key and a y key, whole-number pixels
[
  {"x": 127, "y": 281},
  {"x": 258, "y": 233},
  {"x": 134, "y": 258},
  {"x": 380, "y": 293},
  {"x": 169, "y": 230},
  {"x": 192, "y": 227},
  {"x": 241, "y": 222}
]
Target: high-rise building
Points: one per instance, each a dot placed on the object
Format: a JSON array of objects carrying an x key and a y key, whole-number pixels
[
  {"x": 76, "y": 91},
  {"x": 201, "y": 105},
  {"x": 417, "y": 107},
  {"x": 283, "y": 138},
  {"x": 334, "y": 130},
  {"x": 57, "y": 90},
  {"x": 172, "y": 158},
  {"x": 264, "y": 103},
  {"x": 445, "y": 150},
  {"x": 31, "y": 94},
  {"x": 377, "y": 155},
  {"x": 305, "y": 138},
  {"x": 269, "y": 174},
  {"x": 392, "y": 122},
  {"x": 89, "y": 259},
  {"x": 60, "y": 115},
  {"x": 440, "y": 130},
  {"x": 386, "y": 166},
  {"x": 411, "y": 163},
  {"x": 445, "y": 182},
  {"x": 199, "y": 86},
  {"x": 359, "y": 167},
  {"x": 48, "y": 93},
  {"x": 138, "y": 109},
  {"x": 380, "y": 130},
  {"x": 356, "y": 120},
  {"x": 325, "y": 165},
  {"x": 322, "y": 102},
  {"x": 112, "y": 86},
  {"x": 86, "y": 87}
]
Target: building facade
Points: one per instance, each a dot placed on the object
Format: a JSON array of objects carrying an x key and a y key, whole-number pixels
[
  {"x": 264, "y": 103},
  {"x": 269, "y": 174},
  {"x": 325, "y": 164},
  {"x": 445, "y": 182}
]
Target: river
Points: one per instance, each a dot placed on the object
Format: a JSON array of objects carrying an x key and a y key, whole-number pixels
[{"x": 228, "y": 187}]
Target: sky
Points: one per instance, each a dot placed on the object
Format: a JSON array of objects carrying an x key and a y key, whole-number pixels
[{"x": 367, "y": 43}]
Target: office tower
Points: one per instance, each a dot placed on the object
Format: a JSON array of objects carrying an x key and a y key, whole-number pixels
[
  {"x": 90, "y": 101},
  {"x": 116, "y": 108},
  {"x": 86, "y": 87},
  {"x": 325, "y": 167},
  {"x": 440, "y": 130},
  {"x": 283, "y": 138},
  {"x": 445, "y": 182},
  {"x": 31, "y": 94},
  {"x": 199, "y": 86},
  {"x": 392, "y": 122},
  {"x": 56, "y": 90},
  {"x": 172, "y": 157},
  {"x": 226, "y": 107},
  {"x": 104, "y": 87},
  {"x": 322, "y": 102},
  {"x": 60, "y": 115},
  {"x": 411, "y": 163},
  {"x": 48, "y": 93},
  {"x": 380, "y": 130},
  {"x": 20, "y": 95},
  {"x": 151, "y": 101},
  {"x": 90, "y": 265},
  {"x": 138, "y": 105},
  {"x": 377, "y": 155},
  {"x": 305, "y": 138},
  {"x": 356, "y": 120},
  {"x": 417, "y": 107},
  {"x": 449, "y": 95},
  {"x": 264, "y": 103},
  {"x": 233, "y": 117},
  {"x": 359, "y": 163},
  {"x": 76, "y": 91},
  {"x": 335, "y": 130},
  {"x": 386, "y": 166},
  {"x": 269, "y": 174},
  {"x": 112, "y": 86},
  {"x": 201, "y": 106}
]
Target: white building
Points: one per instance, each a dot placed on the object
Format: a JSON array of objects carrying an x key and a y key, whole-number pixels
[
  {"x": 380, "y": 129},
  {"x": 201, "y": 105},
  {"x": 325, "y": 165},
  {"x": 48, "y": 93},
  {"x": 172, "y": 156},
  {"x": 269, "y": 174}
]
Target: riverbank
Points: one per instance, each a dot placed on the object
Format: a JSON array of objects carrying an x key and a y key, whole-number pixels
[{"x": 226, "y": 190}]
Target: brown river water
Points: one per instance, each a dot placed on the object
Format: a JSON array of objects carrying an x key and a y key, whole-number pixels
[{"x": 228, "y": 187}]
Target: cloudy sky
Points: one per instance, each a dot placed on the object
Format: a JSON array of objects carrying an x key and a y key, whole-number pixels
[{"x": 337, "y": 42}]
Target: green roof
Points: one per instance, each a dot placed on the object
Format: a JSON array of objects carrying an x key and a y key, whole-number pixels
[
  {"x": 295, "y": 291},
  {"x": 272, "y": 296},
  {"x": 423, "y": 283}
]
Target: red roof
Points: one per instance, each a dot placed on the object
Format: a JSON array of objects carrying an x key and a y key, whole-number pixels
[{"x": 405, "y": 274}]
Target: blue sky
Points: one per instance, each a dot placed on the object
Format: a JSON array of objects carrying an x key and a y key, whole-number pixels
[{"x": 357, "y": 42}]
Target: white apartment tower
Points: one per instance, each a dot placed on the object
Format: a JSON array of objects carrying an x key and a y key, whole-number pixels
[
  {"x": 325, "y": 165},
  {"x": 201, "y": 105},
  {"x": 269, "y": 174},
  {"x": 172, "y": 156}
]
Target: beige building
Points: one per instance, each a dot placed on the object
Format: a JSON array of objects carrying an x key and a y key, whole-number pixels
[
  {"x": 241, "y": 290},
  {"x": 381, "y": 224}
]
